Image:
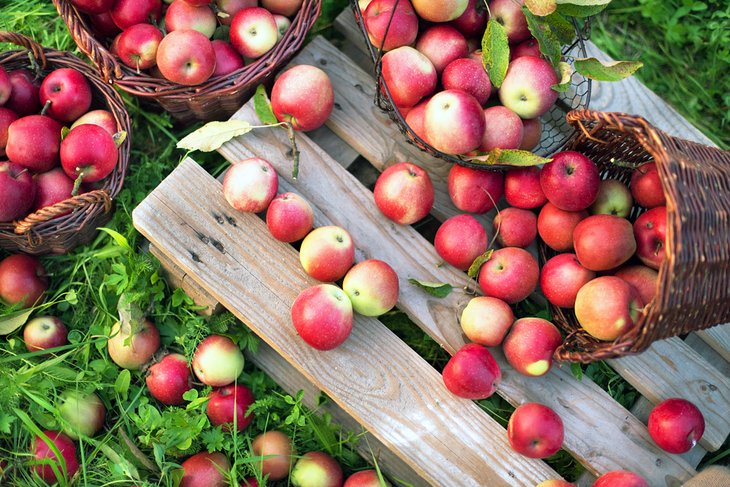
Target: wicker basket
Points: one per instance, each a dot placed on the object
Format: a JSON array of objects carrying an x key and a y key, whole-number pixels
[
  {"x": 61, "y": 227},
  {"x": 216, "y": 99},
  {"x": 556, "y": 130},
  {"x": 693, "y": 290}
]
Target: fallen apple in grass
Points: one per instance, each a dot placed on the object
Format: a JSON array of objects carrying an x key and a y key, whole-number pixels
[
  {"x": 372, "y": 286},
  {"x": 365, "y": 478},
  {"x": 472, "y": 372},
  {"x": 607, "y": 307},
  {"x": 676, "y": 425},
  {"x": 169, "y": 379},
  {"x": 620, "y": 478},
  {"x": 250, "y": 185},
  {"x": 303, "y": 96},
  {"x": 322, "y": 316},
  {"x": 132, "y": 348},
  {"x": 404, "y": 193},
  {"x": 22, "y": 280},
  {"x": 217, "y": 361},
  {"x": 535, "y": 431},
  {"x": 230, "y": 403},
  {"x": 68, "y": 464},
  {"x": 486, "y": 320},
  {"x": 530, "y": 345},
  {"x": 205, "y": 470},
  {"x": 83, "y": 413},
  {"x": 275, "y": 450},
  {"x": 327, "y": 253},
  {"x": 511, "y": 274},
  {"x": 44, "y": 332},
  {"x": 316, "y": 468}
]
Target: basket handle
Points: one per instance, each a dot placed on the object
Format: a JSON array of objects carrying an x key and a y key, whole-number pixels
[
  {"x": 618, "y": 121},
  {"x": 26, "y": 42},
  {"x": 61, "y": 208}
]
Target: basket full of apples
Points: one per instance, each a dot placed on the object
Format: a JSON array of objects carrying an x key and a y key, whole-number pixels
[
  {"x": 64, "y": 148},
  {"x": 199, "y": 59}
]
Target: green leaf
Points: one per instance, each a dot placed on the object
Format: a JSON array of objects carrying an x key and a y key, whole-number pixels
[
  {"x": 212, "y": 135},
  {"x": 579, "y": 11},
  {"x": 495, "y": 52},
  {"x": 64, "y": 132},
  {"x": 6, "y": 420},
  {"x": 563, "y": 29},
  {"x": 478, "y": 263},
  {"x": 119, "y": 138},
  {"x": 577, "y": 371},
  {"x": 9, "y": 324},
  {"x": 437, "y": 289},
  {"x": 566, "y": 73},
  {"x": 613, "y": 71},
  {"x": 541, "y": 7},
  {"x": 508, "y": 157},
  {"x": 121, "y": 385},
  {"x": 262, "y": 106},
  {"x": 120, "y": 239},
  {"x": 550, "y": 45}
]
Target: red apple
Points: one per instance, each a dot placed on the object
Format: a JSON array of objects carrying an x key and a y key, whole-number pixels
[
  {"x": 468, "y": 75},
  {"x": 7, "y": 116},
  {"x": 169, "y": 379},
  {"x": 511, "y": 274},
  {"x": 282, "y": 7},
  {"x": 535, "y": 431},
  {"x": 460, "y": 240},
  {"x": 603, "y": 242},
  {"x": 44, "y": 332},
  {"x": 127, "y": 13},
  {"x": 532, "y": 133},
  {"x": 227, "y": 59},
  {"x": 132, "y": 348},
  {"x": 643, "y": 278},
  {"x": 186, "y": 57},
  {"x": 556, "y": 226},
  {"x": 24, "y": 100},
  {"x": 327, "y": 253},
  {"x": 442, "y": 44},
  {"x": 103, "y": 118},
  {"x": 570, "y": 181},
  {"x": 289, "y": 217},
  {"x": 409, "y": 75},
  {"x": 322, "y": 316},
  {"x": 522, "y": 188},
  {"x": 250, "y": 482},
  {"x": 182, "y": 15},
  {"x": 646, "y": 186},
  {"x": 67, "y": 467},
  {"x": 365, "y": 478},
  {"x": 83, "y": 413},
  {"x": 473, "y": 21},
  {"x": 316, "y": 468},
  {"x": 103, "y": 25},
  {"x": 231, "y": 7},
  {"x": 275, "y": 450},
  {"x": 404, "y": 193},
  {"x": 401, "y": 30},
  {"x": 454, "y": 122},
  {"x": 474, "y": 190},
  {"x": 22, "y": 280},
  {"x": 250, "y": 185},
  {"x": 440, "y": 10},
  {"x": 52, "y": 187},
  {"x": 253, "y": 32},
  {"x": 561, "y": 278},
  {"x": 486, "y": 320},
  {"x": 205, "y": 470},
  {"x": 228, "y": 405},
  {"x": 303, "y": 96},
  {"x": 34, "y": 142},
  {"x": 530, "y": 47},
  {"x": 527, "y": 86},
  {"x": 6, "y": 87},
  {"x": 217, "y": 361},
  {"x": 530, "y": 345},
  {"x": 650, "y": 231},
  {"x": 67, "y": 94},
  {"x": 620, "y": 478},
  {"x": 372, "y": 286},
  {"x": 614, "y": 198},
  {"x": 415, "y": 118},
  {"x": 676, "y": 425},
  {"x": 93, "y": 6},
  {"x": 503, "y": 129},
  {"x": 137, "y": 46},
  {"x": 17, "y": 191},
  {"x": 515, "y": 227},
  {"x": 607, "y": 307},
  {"x": 472, "y": 372},
  {"x": 509, "y": 14},
  {"x": 89, "y": 152}
]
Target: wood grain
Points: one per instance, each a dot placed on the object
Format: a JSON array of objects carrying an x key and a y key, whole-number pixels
[{"x": 718, "y": 338}]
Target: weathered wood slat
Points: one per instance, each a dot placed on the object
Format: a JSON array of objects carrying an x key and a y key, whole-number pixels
[{"x": 718, "y": 338}]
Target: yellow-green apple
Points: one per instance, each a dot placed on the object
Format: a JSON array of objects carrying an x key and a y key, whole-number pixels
[
  {"x": 527, "y": 86},
  {"x": 83, "y": 413},
  {"x": 303, "y": 96},
  {"x": 468, "y": 75},
  {"x": 511, "y": 274},
  {"x": 250, "y": 185},
  {"x": 646, "y": 186},
  {"x": 24, "y": 100},
  {"x": 282, "y": 7},
  {"x": 103, "y": 25},
  {"x": 44, "y": 332},
  {"x": 372, "y": 286},
  {"x": 217, "y": 361},
  {"x": 532, "y": 133},
  {"x": 503, "y": 129},
  {"x": 46, "y": 462},
  {"x": 182, "y": 15},
  {"x": 289, "y": 217},
  {"x": 460, "y": 240},
  {"x": 607, "y": 307},
  {"x": 205, "y": 470},
  {"x": 509, "y": 14},
  {"x": 6, "y": 88},
  {"x": 229, "y": 9},
  {"x": 614, "y": 198},
  {"x": 17, "y": 191},
  {"x": 103, "y": 118},
  {"x": 132, "y": 348},
  {"x": 365, "y": 478},
  {"x": 22, "y": 280},
  {"x": 515, "y": 227},
  {"x": 530, "y": 345},
  {"x": 66, "y": 93},
  {"x": 363, "y": 4},
  {"x": 253, "y": 32},
  {"x": 530, "y": 47},
  {"x": 282, "y": 25},
  {"x": 555, "y": 483},
  {"x": 472, "y": 22},
  {"x": 522, "y": 188},
  {"x": 556, "y": 226},
  {"x": 169, "y": 379},
  {"x": 404, "y": 193},
  {"x": 570, "y": 181},
  {"x": 274, "y": 450},
  {"x": 327, "y": 253},
  {"x": 322, "y": 316},
  {"x": 409, "y": 75},
  {"x": 186, "y": 57},
  {"x": 676, "y": 425},
  {"x": 126, "y": 13},
  {"x": 316, "y": 469},
  {"x": 603, "y": 242},
  {"x": 620, "y": 478},
  {"x": 535, "y": 431},
  {"x": 442, "y": 44},
  {"x": 454, "y": 122},
  {"x": 51, "y": 187},
  {"x": 137, "y": 45},
  {"x": 88, "y": 152},
  {"x": 394, "y": 21},
  {"x": 561, "y": 278},
  {"x": 474, "y": 190},
  {"x": 229, "y": 405},
  {"x": 472, "y": 372},
  {"x": 650, "y": 231},
  {"x": 486, "y": 320},
  {"x": 34, "y": 142},
  {"x": 7, "y": 116},
  {"x": 93, "y": 6},
  {"x": 440, "y": 10},
  {"x": 643, "y": 278},
  {"x": 415, "y": 120}
]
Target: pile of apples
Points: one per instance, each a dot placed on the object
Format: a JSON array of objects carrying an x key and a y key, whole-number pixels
[
  {"x": 174, "y": 42},
  {"x": 434, "y": 73},
  {"x": 43, "y": 165}
]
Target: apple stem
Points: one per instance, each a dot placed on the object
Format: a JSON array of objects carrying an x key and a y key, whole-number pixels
[
  {"x": 77, "y": 184},
  {"x": 46, "y": 107}
]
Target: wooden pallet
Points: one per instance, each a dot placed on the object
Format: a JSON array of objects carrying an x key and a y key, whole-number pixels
[{"x": 418, "y": 431}]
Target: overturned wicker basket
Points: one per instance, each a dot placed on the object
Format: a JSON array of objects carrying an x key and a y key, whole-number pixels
[
  {"x": 59, "y": 228},
  {"x": 216, "y": 99},
  {"x": 693, "y": 289}
]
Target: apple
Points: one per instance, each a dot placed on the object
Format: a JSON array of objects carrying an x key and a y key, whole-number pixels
[
  {"x": 646, "y": 186},
  {"x": 303, "y": 96},
  {"x": 103, "y": 118},
  {"x": 229, "y": 404},
  {"x": 486, "y": 320},
  {"x": 392, "y": 20},
  {"x": 169, "y": 379},
  {"x": 322, "y": 316},
  {"x": 17, "y": 191},
  {"x": 126, "y": 13},
  {"x": 282, "y": 7},
  {"x": 186, "y": 57},
  {"x": 555, "y": 483},
  {"x": 217, "y": 361},
  {"x": 530, "y": 47},
  {"x": 83, "y": 413},
  {"x": 503, "y": 129},
  {"x": 250, "y": 185},
  {"x": 620, "y": 478},
  {"x": 442, "y": 44},
  {"x": 511, "y": 274},
  {"x": 327, "y": 253},
  {"x": 509, "y": 14},
  {"x": 650, "y": 231},
  {"x": 372, "y": 286},
  {"x": 253, "y": 32},
  {"x": 289, "y": 217},
  {"x": 527, "y": 86},
  {"x": 182, "y": 15},
  {"x": 51, "y": 187},
  {"x": 22, "y": 280},
  {"x": 415, "y": 119},
  {"x": 67, "y": 94},
  {"x": 275, "y": 451},
  {"x": 468, "y": 75},
  {"x": 365, "y": 478},
  {"x": 515, "y": 227},
  {"x": 522, "y": 188},
  {"x": 561, "y": 278},
  {"x": 250, "y": 482},
  {"x": 409, "y": 75},
  {"x": 316, "y": 469},
  {"x": 472, "y": 372},
  {"x": 603, "y": 242},
  {"x": 34, "y": 142},
  {"x": 93, "y": 6},
  {"x": 454, "y": 122},
  {"x": 137, "y": 46},
  {"x": 205, "y": 470},
  {"x": 44, "y": 332},
  {"x": 474, "y": 190},
  {"x": 231, "y": 7},
  {"x": 440, "y": 10},
  {"x": 67, "y": 466},
  {"x": 607, "y": 307},
  {"x": 24, "y": 100},
  {"x": 132, "y": 348},
  {"x": 404, "y": 193},
  {"x": 530, "y": 345},
  {"x": 676, "y": 425},
  {"x": 535, "y": 431},
  {"x": 473, "y": 21},
  {"x": 103, "y": 25},
  {"x": 614, "y": 198},
  {"x": 556, "y": 226},
  {"x": 570, "y": 181},
  {"x": 460, "y": 240},
  {"x": 532, "y": 133},
  {"x": 227, "y": 59},
  {"x": 7, "y": 116},
  {"x": 6, "y": 87},
  {"x": 643, "y": 278},
  {"x": 88, "y": 152},
  {"x": 282, "y": 25}
]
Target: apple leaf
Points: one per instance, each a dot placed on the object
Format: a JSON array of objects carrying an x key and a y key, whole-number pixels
[
  {"x": 495, "y": 52},
  {"x": 478, "y": 263},
  {"x": 9, "y": 324},
  {"x": 550, "y": 45},
  {"x": 580, "y": 11},
  {"x": 563, "y": 29},
  {"x": 613, "y": 71},
  {"x": 212, "y": 135},
  {"x": 565, "y": 73},
  {"x": 508, "y": 157},
  {"x": 64, "y": 132},
  {"x": 119, "y": 138},
  {"x": 541, "y": 8},
  {"x": 437, "y": 289},
  {"x": 262, "y": 106},
  {"x": 577, "y": 371}
]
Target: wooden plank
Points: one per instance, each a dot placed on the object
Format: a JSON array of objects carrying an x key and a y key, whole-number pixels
[
  {"x": 257, "y": 278},
  {"x": 710, "y": 354},
  {"x": 718, "y": 337},
  {"x": 340, "y": 150}
]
